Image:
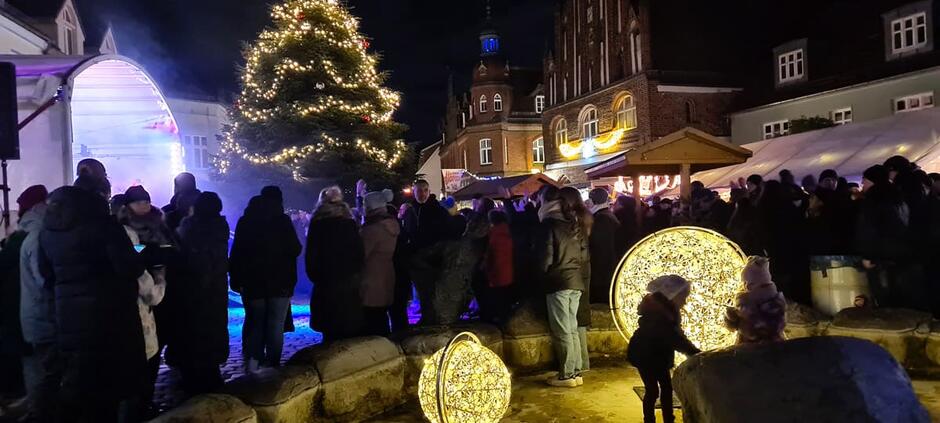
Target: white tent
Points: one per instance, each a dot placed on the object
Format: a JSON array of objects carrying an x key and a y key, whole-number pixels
[
  {"x": 849, "y": 149},
  {"x": 110, "y": 109}
]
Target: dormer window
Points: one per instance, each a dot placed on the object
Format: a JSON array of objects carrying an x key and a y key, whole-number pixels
[
  {"x": 69, "y": 35},
  {"x": 790, "y": 62},
  {"x": 497, "y": 103},
  {"x": 908, "y": 30},
  {"x": 483, "y": 104}
]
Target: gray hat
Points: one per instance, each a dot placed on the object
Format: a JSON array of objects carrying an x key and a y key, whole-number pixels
[
  {"x": 378, "y": 199},
  {"x": 671, "y": 286}
]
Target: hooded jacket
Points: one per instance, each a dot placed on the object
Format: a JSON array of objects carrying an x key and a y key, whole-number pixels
[
  {"x": 86, "y": 257},
  {"x": 658, "y": 336},
  {"x": 379, "y": 238},
  {"x": 37, "y": 303}
]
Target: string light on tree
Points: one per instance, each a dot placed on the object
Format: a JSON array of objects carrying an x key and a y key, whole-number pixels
[{"x": 310, "y": 88}]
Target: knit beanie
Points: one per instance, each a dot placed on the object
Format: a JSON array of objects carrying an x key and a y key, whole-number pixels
[
  {"x": 877, "y": 174},
  {"x": 208, "y": 204},
  {"x": 599, "y": 196},
  {"x": 757, "y": 280},
  {"x": 33, "y": 195},
  {"x": 377, "y": 199},
  {"x": 671, "y": 286},
  {"x": 136, "y": 193}
]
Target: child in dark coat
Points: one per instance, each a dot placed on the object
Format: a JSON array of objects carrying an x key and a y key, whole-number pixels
[{"x": 653, "y": 345}]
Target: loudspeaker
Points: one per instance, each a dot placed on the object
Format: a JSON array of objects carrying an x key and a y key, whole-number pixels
[{"x": 9, "y": 121}]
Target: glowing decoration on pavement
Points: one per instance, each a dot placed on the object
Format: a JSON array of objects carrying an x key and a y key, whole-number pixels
[
  {"x": 708, "y": 260},
  {"x": 464, "y": 382}
]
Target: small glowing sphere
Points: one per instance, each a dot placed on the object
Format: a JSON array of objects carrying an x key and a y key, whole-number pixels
[
  {"x": 464, "y": 382},
  {"x": 710, "y": 262}
]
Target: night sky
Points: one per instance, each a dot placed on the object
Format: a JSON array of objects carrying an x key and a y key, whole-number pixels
[{"x": 193, "y": 46}]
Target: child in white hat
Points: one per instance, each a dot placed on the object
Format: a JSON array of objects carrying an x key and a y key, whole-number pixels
[
  {"x": 760, "y": 310},
  {"x": 653, "y": 345}
]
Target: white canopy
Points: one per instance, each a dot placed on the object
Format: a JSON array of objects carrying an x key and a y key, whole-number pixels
[{"x": 849, "y": 149}]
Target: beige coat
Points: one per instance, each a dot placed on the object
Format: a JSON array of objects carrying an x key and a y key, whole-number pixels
[
  {"x": 150, "y": 292},
  {"x": 379, "y": 238}
]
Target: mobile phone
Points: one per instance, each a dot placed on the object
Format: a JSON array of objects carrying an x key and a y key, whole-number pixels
[{"x": 139, "y": 247}]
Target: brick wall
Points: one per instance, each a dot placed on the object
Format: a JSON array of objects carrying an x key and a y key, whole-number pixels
[
  {"x": 515, "y": 159},
  {"x": 709, "y": 112}
]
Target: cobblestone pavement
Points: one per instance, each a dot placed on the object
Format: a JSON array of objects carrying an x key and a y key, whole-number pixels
[{"x": 168, "y": 396}]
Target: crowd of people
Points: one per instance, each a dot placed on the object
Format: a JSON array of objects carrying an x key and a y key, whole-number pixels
[{"x": 108, "y": 287}]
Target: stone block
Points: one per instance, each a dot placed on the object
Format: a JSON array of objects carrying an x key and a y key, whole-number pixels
[
  {"x": 932, "y": 349},
  {"x": 529, "y": 352},
  {"x": 360, "y": 377},
  {"x": 210, "y": 408},
  {"x": 804, "y": 321},
  {"x": 529, "y": 319},
  {"x": 285, "y": 394},
  {"x": 818, "y": 379},
  {"x": 601, "y": 318},
  {"x": 419, "y": 343},
  {"x": 342, "y": 358},
  {"x": 892, "y": 329},
  {"x": 606, "y": 343}
]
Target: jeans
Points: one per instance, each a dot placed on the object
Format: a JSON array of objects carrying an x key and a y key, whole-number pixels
[
  {"x": 658, "y": 384},
  {"x": 42, "y": 372},
  {"x": 585, "y": 358},
  {"x": 263, "y": 331},
  {"x": 563, "y": 324}
]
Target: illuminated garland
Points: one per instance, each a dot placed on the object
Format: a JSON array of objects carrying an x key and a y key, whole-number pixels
[{"x": 300, "y": 25}]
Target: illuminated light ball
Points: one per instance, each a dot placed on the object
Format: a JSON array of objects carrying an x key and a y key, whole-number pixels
[
  {"x": 464, "y": 382},
  {"x": 710, "y": 262}
]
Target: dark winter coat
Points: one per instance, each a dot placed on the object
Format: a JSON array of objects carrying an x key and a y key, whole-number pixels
[
  {"x": 883, "y": 232},
  {"x": 605, "y": 254},
  {"x": 204, "y": 307},
  {"x": 335, "y": 258},
  {"x": 743, "y": 228},
  {"x": 264, "y": 252},
  {"x": 831, "y": 226},
  {"x": 424, "y": 224},
  {"x": 11, "y": 334},
  {"x": 658, "y": 336},
  {"x": 560, "y": 251},
  {"x": 150, "y": 227},
  {"x": 88, "y": 259}
]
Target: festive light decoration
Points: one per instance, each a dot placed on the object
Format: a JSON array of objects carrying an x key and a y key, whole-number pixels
[
  {"x": 649, "y": 185},
  {"x": 589, "y": 147},
  {"x": 312, "y": 44},
  {"x": 464, "y": 382},
  {"x": 708, "y": 260}
]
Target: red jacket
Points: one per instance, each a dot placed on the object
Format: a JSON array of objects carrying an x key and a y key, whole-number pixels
[{"x": 498, "y": 261}]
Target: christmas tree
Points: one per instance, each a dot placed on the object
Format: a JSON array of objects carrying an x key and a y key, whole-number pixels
[{"x": 313, "y": 103}]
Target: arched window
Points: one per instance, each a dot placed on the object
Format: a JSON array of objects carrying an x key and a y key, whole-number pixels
[
  {"x": 538, "y": 151},
  {"x": 589, "y": 123},
  {"x": 69, "y": 29},
  {"x": 482, "y": 104},
  {"x": 626, "y": 113},
  {"x": 689, "y": 111},
  {"x": 561, "y": 132},
  {"x": 497, "y": 103}
]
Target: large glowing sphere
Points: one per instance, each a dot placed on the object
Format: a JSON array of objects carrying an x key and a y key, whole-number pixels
[
  {"x": 464, "y": 382},
  {"x": 710, "y": 262}
]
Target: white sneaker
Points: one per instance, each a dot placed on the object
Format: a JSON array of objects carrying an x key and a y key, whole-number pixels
[
  {"x": 562, "y": 383},
  {"x": 579, "y": 380}
]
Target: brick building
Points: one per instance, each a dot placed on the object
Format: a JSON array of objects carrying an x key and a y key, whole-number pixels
[
  {"x": 495, "y": 130},
  {"x": 622, "y": 73}
]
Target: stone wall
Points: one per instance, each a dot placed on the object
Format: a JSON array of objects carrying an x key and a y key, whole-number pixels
[{"x": 358, "y": 378}]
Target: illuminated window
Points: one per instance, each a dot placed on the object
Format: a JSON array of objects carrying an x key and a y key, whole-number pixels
[
  {"x": 561, "y": 132},
  {"x": 539, "y": 103},
  {"x": 790, "y": 65},
  {"x": 908, "y": 33},
  {"x": 626, "y": 113},
  {"x": 636, "y": 53},
  {"x": 776, "y": 129},
  {"x": 497, "y": 103},
  {"x": 482, "y": 104},
  {"x": 538, "y": 151},
  {"x": 589, "y": 123},
  {"x": 842, "y": 116},
  {"x": 486, "y": 151},
  {"x": 913, "y": 102}
]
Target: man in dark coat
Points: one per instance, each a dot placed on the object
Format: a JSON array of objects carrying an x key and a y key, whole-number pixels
[
  {"x": 263, "y": 269},
  {"x": 203, "y": 342},
  {"x": 604, "y": 248},
  {"x": 424, "y": 226},
  {"x": 87, "y": 258}
]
